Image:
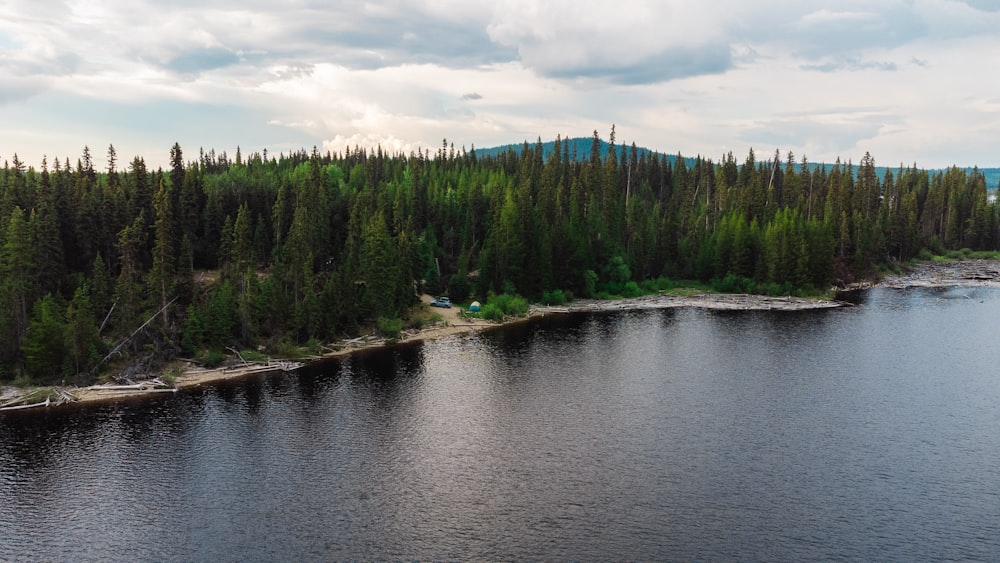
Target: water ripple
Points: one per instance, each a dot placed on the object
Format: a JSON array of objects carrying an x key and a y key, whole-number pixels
[{"x": 862, "y": 434}]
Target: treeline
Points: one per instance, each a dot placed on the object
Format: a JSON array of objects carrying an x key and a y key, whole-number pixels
[{"x": 222, "y": 252}]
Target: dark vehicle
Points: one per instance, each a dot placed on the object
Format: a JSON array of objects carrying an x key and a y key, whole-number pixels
[{"x": 441, "y": 302}]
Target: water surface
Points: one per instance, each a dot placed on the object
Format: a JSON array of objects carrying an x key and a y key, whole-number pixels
[{"x": 870, "y": 432}]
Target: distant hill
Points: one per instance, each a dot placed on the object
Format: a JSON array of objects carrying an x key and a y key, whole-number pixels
[{"x": 579, "y": 148}]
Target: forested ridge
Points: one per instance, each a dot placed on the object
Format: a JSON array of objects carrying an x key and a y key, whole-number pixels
[{"x": 127, "y": 267}]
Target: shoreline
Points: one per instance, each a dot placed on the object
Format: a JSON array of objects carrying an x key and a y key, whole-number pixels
[
  {"x": 196, "y": 376},
  {"x": 926, "y": 274}
]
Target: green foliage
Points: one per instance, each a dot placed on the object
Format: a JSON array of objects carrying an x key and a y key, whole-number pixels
[
  {"x": 17, "y": 282},
  {"x": 631, "y": 289},
  {"x": 312, "y": 347},
  {"x": 314, "y": 246},
  {"x": 589, "y": 283},
  {"x": 170, "y": 376},
  {"x": 161, "y": 276},
  {"x": 253, "y": 356},
  {"x": 492, "y": 312},
  {"x": 221, "y": 316},
  {"x": 777, "y": 290},
  {"x": 194, "y": 330},
  {"x": 554, "y": 297},
  {"x": 82, "y": 340},
  {"x": 100, "y": 286},
  {"x": 44, "y": 345},
  {"x": 740, "y": 284},
  {"x": 23, "y": 381},
  {"x": 659, "y": 284},
  {"x": 379, "y": 268},
  {"x": 734, "y": 284},
  {"x": 390, "y": 328},
  {"x": 132, "y": 257},
  {"x": 617, "y": 271},
  {"x": 211, "y": 358},
  {"x": 287, "y": 349},
  {"x": 511, "y": 305},
  {"x": 459, "y": 288}
]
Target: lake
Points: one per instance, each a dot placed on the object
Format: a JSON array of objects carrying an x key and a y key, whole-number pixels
[{"x": 864, "y": 433}]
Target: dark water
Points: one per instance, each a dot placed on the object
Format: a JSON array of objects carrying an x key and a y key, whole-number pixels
[{"x": 869, "y": 433}]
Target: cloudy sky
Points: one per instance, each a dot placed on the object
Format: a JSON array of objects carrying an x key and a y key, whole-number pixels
[{"x": 907, "y": 80}]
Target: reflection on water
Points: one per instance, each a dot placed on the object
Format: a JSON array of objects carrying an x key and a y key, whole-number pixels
[{"x": 861, "y": 433}]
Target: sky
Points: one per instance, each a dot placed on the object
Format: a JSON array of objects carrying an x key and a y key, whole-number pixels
[{"x": 909, "y": 81}]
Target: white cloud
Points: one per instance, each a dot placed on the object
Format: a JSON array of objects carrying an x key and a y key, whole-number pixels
[
  {"x": 825, "y": 17},
  {"x": 628, "y": 41},
  {"x": 905, "y": 79}
]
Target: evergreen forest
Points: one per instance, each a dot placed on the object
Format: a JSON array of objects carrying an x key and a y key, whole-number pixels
[{"x": 126, "y": 268}]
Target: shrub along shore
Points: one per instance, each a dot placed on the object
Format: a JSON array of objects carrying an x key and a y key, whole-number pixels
[
  {"x": 186, "y": 374},
  {"x": 956, "y": 270}
]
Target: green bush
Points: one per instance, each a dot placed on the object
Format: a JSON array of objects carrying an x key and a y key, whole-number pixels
[
  {"x": 212, "y": 359},
  {"x": 663, "y": 284},
  {"x": 659, "y": 284},
  {"x": 616, "y": 271},
  {"x": 287, "y": 349},
  {"x": 253, "y": 356},
  {"x": 611, "y": 288},
  {"x": 936, "y": 247},
  {"x": 512, "y": 305},
  {"x": 631, "y": 289},
  {"x": 517, "y": 306},
  {"x": 554, "y": 297},
  {"x": 735, "y": 284},
  {"x": 23, "y": 381},
  {"x": 390, "y": 328},
  {"x": 170, "y": 376},
  {"x": 491, "y": 312},
  {"x": 775, "y": 289},
  {"x": 499, "y": 300},
  {"x": 740, "y": 284},
  {"x": 312, "y": 347}
]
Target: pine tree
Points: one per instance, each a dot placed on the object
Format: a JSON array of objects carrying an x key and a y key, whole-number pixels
[
  {"x": 44, "y": 348},
  {"x": 46, "y": 237},
  {"x": 140, "y": 193},
  {"x": 193, "y": 335},
  {"x": 189, "y": 208},
  {"x": 99, "y": 282},
  {"x": 282, "y": 214},
  {"x": 128, "y": 286},
  {"x": 221, "y": 316},
  {"x": 185, "y": 283},
  {"x": 82, "y": 340},
  {"x": 18, "y": 286},
  {"x": 87, "y": 199},
  {"x": 242, "y": 258},
  {"x": 243, "y": 271},
  {"x": 177, "y": 175},
  {"x": 161, "y": 277},
  {"x": 379, "y": 269}
]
